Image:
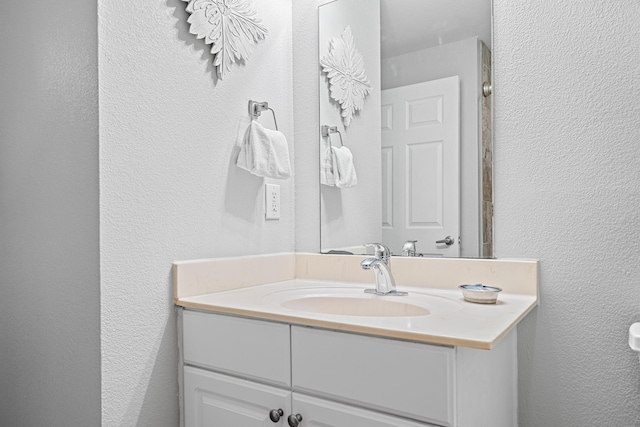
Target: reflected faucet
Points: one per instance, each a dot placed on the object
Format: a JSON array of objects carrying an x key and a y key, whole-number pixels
[
  {"x": 409, "y": 248},
  {"x": 385, "y": 284}
]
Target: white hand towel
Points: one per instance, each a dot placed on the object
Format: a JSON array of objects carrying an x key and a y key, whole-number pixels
[
  {"x": 338, "y": 168},
  {"x": 264, "y": 152}
]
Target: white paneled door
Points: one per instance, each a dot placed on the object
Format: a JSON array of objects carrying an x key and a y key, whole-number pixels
[{"x": 421, "y": 167}]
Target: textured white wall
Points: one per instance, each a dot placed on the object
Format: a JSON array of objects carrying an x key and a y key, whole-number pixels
[
  {"x": 567, "y": 177},
  {"x": 169, "y": 187},
  {"x": 49, "y": 254}
]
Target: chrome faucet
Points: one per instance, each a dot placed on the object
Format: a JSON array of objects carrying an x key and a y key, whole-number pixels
[{"x": 385, "y": 284}]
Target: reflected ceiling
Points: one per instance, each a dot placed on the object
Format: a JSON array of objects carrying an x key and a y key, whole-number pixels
[{"x": 405, "y": 24}]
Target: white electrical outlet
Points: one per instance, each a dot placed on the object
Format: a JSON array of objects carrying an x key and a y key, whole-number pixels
[{"x": 272, "y": 201}]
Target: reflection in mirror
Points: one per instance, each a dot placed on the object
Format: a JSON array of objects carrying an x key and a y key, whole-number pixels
[{"x": 421, "y": 145}]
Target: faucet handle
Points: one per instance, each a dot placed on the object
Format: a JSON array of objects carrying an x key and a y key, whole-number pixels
[{"x": 380, "y": 251}]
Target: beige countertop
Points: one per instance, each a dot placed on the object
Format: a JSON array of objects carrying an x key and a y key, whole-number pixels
[
  {"x": 262, "y": 286},
  {"x": 451, "y": 320}
]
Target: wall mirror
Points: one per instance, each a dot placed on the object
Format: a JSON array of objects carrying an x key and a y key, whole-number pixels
[{"x": 421, "y": 145}]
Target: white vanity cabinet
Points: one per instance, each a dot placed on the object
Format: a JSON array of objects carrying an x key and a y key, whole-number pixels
[{"x": 239, "y": 372}]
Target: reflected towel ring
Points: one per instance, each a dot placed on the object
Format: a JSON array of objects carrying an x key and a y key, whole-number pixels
[
  {"x": 328, "y": 130},
  {"x": 256, "y": 108}
]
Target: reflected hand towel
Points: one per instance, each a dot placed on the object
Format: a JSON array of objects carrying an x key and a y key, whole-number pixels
[{"x": 337, "y": 168}]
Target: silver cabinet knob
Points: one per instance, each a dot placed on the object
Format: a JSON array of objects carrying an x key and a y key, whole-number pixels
[
  {"x": 447, "y": 241},
  {"x": 275, "y": 414},
  {"x": 294, "y": 420}
]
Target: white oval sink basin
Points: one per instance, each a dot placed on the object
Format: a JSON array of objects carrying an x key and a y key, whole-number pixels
[
  {"x": 355, "y": 306},
  {"x": 352, "y": 301}
]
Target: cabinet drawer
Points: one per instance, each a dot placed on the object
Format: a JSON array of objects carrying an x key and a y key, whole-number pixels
[
  {"x": 404, "y": 378},
  {"x": 248, "y": 348}
]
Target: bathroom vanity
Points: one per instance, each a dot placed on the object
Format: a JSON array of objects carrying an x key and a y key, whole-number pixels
[{"x": 252, "y": 354}]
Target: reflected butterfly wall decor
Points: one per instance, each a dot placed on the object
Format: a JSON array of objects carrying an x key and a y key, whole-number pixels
[
  {"x": 231, "y": 27},
  {"x": 348, "y": 81}
]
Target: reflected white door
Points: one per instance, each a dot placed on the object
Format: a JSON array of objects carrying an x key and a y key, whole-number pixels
[{"x": 421, "y": 166}]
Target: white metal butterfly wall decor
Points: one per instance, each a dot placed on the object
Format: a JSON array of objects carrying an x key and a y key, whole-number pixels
[
  {"x": 348, "y": 81},
  {"x": 229, "y": 26}
]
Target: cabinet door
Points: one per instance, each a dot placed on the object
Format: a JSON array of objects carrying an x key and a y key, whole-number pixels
[
  {"x": 215, "y": 400},
  {"x": 319, "y": 412}
]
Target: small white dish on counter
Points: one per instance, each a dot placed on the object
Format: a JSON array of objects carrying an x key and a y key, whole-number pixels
[{"x": 480, "y": 294}]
